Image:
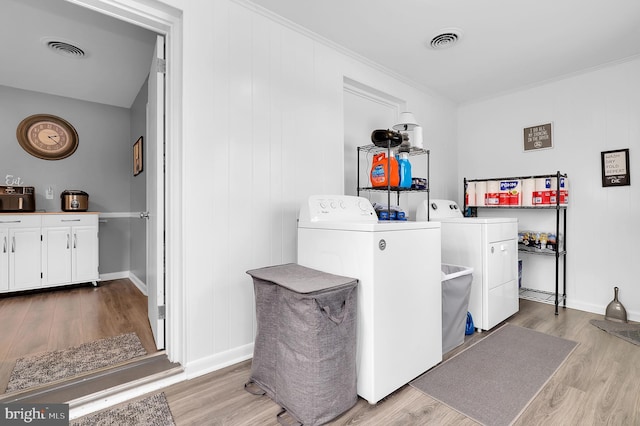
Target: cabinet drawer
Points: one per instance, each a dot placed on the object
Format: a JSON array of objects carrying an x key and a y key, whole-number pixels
[
  {"x": 69, "y": 219},
  {"x": 19, "y": 221}
]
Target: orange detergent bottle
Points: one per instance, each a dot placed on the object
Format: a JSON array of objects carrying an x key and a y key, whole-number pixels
[{"x": 384, "y": 171}]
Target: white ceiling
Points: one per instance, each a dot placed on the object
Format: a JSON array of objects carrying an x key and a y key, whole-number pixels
[
  {"x": 113, "y": 71},
  {"x": 506, "y": 44}
]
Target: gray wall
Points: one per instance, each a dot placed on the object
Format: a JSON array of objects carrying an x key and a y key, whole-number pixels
[
  {"x": 138, "y": 198},
  {"x": 101, "y": 165}
]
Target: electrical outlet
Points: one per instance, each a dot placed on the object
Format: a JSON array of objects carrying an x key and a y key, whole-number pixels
[{"x": 49, "y": 193}]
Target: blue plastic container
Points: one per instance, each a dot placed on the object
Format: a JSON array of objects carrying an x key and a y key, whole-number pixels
[{"x": 404, "y": 169}]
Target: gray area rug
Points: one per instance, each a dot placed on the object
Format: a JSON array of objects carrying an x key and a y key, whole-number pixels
[
  {"x": 151, "y": 411},
  {"x": 623, "y": 330},
  {"x": 47, "y": 367},
  {"x": 493, "y": 381}
]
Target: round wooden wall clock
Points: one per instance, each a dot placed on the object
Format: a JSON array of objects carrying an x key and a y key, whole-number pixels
[{"x": 47, "y": 136}]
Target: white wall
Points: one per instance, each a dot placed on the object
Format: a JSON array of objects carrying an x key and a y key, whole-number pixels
[
  {"x": 591, "y": 113},
  {"x": 262, "y": 129}
]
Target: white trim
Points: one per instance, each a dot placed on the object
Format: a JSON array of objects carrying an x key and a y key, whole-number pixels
[
  {"x": 337, "y": 47},
  {"x": 80, "y": 407},
  {"x": 548, "y": 81},
  {"x": 356, "y": 88},
  {"x": 597, "y": 309},
  {"x": 142, "y": 286},
  {"x": 114, "y": 276},
  {"x": 374, "y": 95},
  {"x": 151, "y": 15},
  {"x": 220, "y": 360},
  {"x": 166, "y": 20},
  {"x": 118, "y": 215}
]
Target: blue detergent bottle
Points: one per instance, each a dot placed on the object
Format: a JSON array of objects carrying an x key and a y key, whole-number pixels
[{"x": 404, "y": 169}]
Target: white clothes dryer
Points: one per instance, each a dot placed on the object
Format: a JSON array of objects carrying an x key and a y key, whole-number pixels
[
  {"x": 490, "y": 247},
  {"x": 397, "y": 264}
]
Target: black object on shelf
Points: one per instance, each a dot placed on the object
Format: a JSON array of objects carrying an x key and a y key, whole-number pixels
[{"x": 386, "y": 138}]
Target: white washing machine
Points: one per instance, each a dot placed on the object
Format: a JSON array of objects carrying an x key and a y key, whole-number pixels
[
  {"x": 397, "y": 264},
  {"x": 490, "y": 247}
]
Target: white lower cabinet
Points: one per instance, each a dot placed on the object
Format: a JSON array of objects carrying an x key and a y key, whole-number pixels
[
  {"x": 20, "y": 256},
  {"x": 69, "y": 249},
  {"x": 47, "y": 250}
]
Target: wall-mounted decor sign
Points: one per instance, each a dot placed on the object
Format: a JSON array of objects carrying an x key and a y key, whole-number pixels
[
  {"x": 538, "y": 137},
  {"x": 137, "y": 157},
  {"x": 615, "y": 168}
]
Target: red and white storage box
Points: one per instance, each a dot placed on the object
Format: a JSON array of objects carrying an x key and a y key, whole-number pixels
[{"x": 304, "y": 356}]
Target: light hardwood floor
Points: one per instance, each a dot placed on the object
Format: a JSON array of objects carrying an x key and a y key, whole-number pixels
[
  {"x": 69, "y": 316},
  {"x": 598, "y": 385}
]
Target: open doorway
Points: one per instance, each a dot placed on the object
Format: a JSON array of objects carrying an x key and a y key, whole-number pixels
[{"x": 166, "y": 21}]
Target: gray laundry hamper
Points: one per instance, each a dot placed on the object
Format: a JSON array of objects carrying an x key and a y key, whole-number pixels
[
  {"x": 304, "y": 355},
  {"x": 456, "y": 290}
]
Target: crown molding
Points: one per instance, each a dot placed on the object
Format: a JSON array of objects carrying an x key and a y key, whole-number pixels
[{"x": 335, "y": 46}]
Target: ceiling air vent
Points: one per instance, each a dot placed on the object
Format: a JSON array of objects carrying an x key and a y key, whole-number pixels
[
  {"x": 446, "y": 38},
  {"x": 64, "y": 48}
]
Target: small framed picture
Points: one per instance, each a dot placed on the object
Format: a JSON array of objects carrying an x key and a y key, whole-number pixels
[
  {"x": 137, "y": 157},
  {"x": 615, "y": 167},
  {"x": 538, "y": 137}
]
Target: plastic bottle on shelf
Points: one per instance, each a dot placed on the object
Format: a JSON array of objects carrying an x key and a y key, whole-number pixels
[
  {"x": 380, "y": 173},
  {"x": 404, "y": 169}
]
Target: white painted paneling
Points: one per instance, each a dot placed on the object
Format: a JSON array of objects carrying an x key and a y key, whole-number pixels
[
  {"x": 259, "y": 164},
  {"x": 328, "y": 121},
  {"x": 205, "y": 180},
  {"x": 275, "y": 184},
  {"x": 300, "y": 162},
  {"x": 591, "y": 113},
  {"x": 263, "y": 130},
  {"x": 242, "y": 149}
]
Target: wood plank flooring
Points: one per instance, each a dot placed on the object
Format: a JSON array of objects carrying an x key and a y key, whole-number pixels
[
  {"x": 69, "y": 316},
  {"x": 598, "y": 385}
]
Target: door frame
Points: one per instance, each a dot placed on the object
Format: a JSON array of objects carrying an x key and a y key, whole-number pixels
[{"x": 167, "y": 21}]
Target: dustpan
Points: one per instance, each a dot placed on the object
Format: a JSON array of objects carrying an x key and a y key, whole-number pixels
[{"x": 615, "y": 310}]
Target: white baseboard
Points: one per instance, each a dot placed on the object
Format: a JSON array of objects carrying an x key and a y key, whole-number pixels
[
  {"x": 218, "y": 361},
  {"x": 114, "y": 276},
  {"x": 142, "y": 286},
  {"x": 599, "y": 309}
]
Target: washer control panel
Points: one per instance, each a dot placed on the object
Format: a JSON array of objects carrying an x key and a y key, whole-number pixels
[{"x": 337, "y": 208}]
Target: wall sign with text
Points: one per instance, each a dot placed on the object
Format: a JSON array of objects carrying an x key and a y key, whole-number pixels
[
  {"x": 538, "y": 137},
  {"x": 615, "y": 168}
]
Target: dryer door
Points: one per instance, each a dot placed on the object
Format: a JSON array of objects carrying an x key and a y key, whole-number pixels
[
  {"x": 502, "y": 295},
  {"x": 502, "y": 262}
]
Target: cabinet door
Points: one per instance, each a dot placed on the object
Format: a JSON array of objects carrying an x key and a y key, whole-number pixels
[
  {"x": 56, "y": 253},
  {"x": 84, "y": 262},
  {"x": 25, "y": 268},
  {"x": 4, "y": 259}
]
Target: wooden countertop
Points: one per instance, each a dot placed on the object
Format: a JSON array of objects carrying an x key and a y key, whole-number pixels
[{"x": 44, "y": 213}]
